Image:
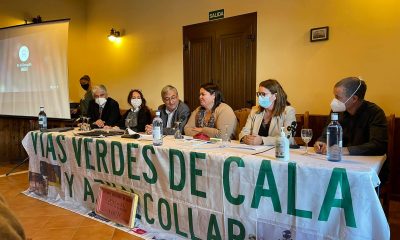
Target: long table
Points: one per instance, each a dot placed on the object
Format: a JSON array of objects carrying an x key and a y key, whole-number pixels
[{"x": 199, "y": 190}]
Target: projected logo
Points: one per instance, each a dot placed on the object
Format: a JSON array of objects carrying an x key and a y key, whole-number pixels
[
  {"x": 23, "y": 56},
  {"x": 23, "y": 53}
]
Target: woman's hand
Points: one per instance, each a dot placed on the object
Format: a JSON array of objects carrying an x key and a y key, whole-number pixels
[
  {"x": 197, "y": 129},
  {"x": 252, "y": 140}
]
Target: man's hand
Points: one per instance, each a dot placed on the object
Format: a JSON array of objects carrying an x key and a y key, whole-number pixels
[
  {"x": 148, "y": 129},
  {"x": 320, "y": 147},
  {"x": 100, "y": 123}
]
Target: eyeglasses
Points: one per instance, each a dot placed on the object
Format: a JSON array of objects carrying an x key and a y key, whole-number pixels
[
  {"x": 258, "y": 94},
  {"x": 172, "y": 98}
]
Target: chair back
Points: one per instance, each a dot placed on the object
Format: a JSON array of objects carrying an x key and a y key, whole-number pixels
[
  {"x": 391, "y": 119},
  {"x": 385, "y": 190},
  {"x": 241, "y": 116},
  {"x": 302, "y": 122}
]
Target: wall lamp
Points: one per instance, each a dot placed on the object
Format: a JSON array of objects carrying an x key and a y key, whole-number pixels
[{"x": 114, "y": 35}]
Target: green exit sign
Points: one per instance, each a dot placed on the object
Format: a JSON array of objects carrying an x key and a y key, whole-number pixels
[{"x": 217, "y": 14}]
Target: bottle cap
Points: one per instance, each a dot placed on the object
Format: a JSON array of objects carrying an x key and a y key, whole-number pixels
[{"x": 334, "y": 116}]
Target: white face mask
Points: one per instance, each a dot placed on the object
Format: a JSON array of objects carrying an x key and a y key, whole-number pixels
[
  {"x": 101, "y": 101},
  {"x": 136, "y": 102},
  {"x": 338, "y": 106}
]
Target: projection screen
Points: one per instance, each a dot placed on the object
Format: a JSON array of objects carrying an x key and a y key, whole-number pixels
[{"x": 34, "y": 69}]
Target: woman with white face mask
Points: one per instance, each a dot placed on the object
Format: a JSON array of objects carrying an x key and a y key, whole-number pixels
[
  {"x": 103, "y": 110},
  {"x": 265, "y": 120},
  {"x": 139, "y": 115}
]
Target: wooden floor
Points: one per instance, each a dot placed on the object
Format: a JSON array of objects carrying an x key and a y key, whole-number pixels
[{"x": 44, "y": 221}]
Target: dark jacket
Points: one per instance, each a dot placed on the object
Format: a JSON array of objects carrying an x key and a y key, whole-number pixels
[
  {"x": 365, "y": 133},
  {"x": 144, "y": 118},
  {"x": 181, "y": 114},
  {"x": 110, "y": 113}
]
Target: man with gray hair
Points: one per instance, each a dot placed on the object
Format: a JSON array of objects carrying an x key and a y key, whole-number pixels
[
  {"x": 173, "y": 110},
  {"x": 364, "y": 123},
  {"x": 103, "y": 110}
]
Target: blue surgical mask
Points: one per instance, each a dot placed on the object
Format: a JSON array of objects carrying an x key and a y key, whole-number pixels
[{"x": 264, "y": 101}]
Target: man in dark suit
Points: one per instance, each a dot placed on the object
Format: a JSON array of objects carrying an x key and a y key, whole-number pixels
[
  {"x": 103, "y": 110},
  {"x": 363, "y": 122},
  {"x": 173, "y": 110}
]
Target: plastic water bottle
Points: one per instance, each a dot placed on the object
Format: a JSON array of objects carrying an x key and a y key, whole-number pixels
[
  {"x": 282, "y": 146},
  {"x": 42, "y": 119},
  {"x": 334, "y": 139},
  {"x": 157, "y": 130}
]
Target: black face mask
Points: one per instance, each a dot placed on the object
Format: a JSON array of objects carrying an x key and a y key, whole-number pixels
[{"x": 85, "y": 86}]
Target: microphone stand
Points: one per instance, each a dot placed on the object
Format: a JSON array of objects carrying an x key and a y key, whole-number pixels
[{"x": 19, "y": 164}]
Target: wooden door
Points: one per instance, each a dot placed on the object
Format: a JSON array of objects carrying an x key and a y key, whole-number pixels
[{"x": 223, "y": 52}]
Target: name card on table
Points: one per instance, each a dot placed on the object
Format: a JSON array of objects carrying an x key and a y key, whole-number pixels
[{"x": 117, "y": 205}]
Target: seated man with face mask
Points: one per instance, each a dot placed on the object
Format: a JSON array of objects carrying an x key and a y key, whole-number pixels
[
  {"x": 364, "y": 123},
  {"x": 103, "y": 110}
]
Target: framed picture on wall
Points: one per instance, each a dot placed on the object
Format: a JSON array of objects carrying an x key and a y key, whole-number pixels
[{"x": 319, "y": 34}]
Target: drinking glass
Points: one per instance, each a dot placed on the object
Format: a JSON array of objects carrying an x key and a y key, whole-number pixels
[
  {"x": 86, "y": 125},
  {"x": 225, "y": 137},
  {"x": 81, "y": 123},
  {"x": 178, "y": 133},
  {"x": 306, "y": 135}
]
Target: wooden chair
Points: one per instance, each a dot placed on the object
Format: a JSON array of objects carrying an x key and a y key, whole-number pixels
[
  {"x": 385, "y": 191},
  {"x": 241, "y": 116},
  {"x": 302, "y": 122}
]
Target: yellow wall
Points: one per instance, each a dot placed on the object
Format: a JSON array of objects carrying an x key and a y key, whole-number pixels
[{"x": 364, "y": 38}]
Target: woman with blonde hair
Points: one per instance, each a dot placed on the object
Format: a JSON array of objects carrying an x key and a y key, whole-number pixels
[{"x": 265, "y": 120}]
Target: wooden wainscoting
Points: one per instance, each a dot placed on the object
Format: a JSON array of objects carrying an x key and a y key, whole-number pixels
[{"x": 13, "y": 130}]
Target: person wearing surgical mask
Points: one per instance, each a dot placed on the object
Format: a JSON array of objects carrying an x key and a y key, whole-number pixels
[
  {"x": 84, "y": 103},
  {"x": 103, "y": 110},
  {"x": 82, "y": 109},
  {"x": 265, "y": 120},
  {"x": 364, "y": 123},
  {"x": 139, "y": 115}
]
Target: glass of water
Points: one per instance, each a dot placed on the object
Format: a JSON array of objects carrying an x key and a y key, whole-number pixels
[
  {"x": 306, "y": 135},
  {"x": 178, "y": 133},
  {"x": 86, "y": 124},
  {"x": 225, "y": 136}
]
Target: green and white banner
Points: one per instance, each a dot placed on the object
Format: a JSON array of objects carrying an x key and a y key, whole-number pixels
[{"x": 196, "y": 194}]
